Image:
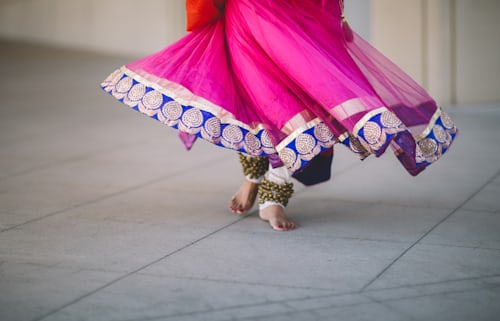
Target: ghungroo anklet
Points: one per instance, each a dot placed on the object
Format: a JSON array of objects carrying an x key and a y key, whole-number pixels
[
  {"x": 254, "y": 167},
  {"x": 274, "y": 192}
]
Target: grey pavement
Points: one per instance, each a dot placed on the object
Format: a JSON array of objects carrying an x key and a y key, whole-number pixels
[{"x": 105, "y": 216}]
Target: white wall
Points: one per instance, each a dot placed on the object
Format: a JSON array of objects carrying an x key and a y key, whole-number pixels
[
  {"x": 397, "y": 32},
  {"x": 117, "y": 26},
  {"x": 358, "y": 13},
  {"x": 451, "y": 47},
  {"x": 438, "y": 63},
  {"x": 477, "y": 50},
  {"x": 124, "y": 26}
]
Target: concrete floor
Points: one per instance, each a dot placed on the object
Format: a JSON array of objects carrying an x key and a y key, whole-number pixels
[{"x": 104, "y": 216}]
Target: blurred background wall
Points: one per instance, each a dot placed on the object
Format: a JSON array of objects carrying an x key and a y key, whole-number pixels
[
  {"x": 451, "y": 47},
  {"x": 126, "y": 27}
]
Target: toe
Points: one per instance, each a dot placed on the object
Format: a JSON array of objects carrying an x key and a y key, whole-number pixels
[
  {"x": 276, "y": 225},
  {"x": 282, "y": 226},
  {"x": 278, "y": 228},
  {"x": 289, "y": 225},
  {"x": 235, "y": 207}
]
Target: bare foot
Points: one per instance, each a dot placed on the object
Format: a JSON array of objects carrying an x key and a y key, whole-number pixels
[
  {"x": 276, "y": 217},
  {"x": 244, "y": 199}
]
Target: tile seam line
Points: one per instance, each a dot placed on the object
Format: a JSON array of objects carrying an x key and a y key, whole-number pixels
[
  {"x": 136, "y": 271},
  {"x": 482, "y": 187},
  {"x": 370, "y": 300},
  {"x": 70, "y": 159},
  {"x": 332, "y": 291},
  {"x": 410, "y": 286},
  {"x": 440, "y": 293},
  {"x": 332, "y": 295},
  {"x": 285, "y": 302},
  {"x": 462, "y": 246},
  {"x": 389, "y": 308},
  {"x": 308, "y": 310},
  {"x": 93, "y": 201},
  {"x": 368, "y": 202},
  {"x": 102, "y": 198},
  {"x": 91, "y": 154},
  {"x": 269, "y": 285},
  {"x": 228, "y": 308}
]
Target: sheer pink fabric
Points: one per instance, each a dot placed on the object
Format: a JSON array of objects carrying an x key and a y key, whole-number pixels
[{"x": 290, "y": 72}]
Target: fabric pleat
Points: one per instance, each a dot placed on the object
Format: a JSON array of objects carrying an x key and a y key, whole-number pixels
[{"x": 286, "y": 79}]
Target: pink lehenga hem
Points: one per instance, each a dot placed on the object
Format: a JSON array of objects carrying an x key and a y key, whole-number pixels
[
  {"x": 280, "y": 79},
  {"x": 179, "y": 108}
]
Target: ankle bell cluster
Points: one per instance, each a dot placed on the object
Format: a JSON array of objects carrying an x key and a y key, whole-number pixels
[
  {"x": 274, "y": 192},
  {"x": 254, "y": 167}
]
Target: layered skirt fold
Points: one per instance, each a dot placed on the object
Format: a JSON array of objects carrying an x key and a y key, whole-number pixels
[{"x": 282, "y": 79}]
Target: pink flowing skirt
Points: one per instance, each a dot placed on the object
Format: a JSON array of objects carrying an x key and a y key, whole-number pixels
[{"x": 283, "y": 79}]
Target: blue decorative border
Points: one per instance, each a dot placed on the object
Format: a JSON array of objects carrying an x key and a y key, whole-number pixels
[{"x": 372, "y": 134}]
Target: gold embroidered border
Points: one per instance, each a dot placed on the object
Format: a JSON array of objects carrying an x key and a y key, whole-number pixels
[
  {"x": 432, "y": 122},
  {"x": 419, "y": 137},
  {"x": 367, "y": 117},
  {"x": 344, "y": 136},
  {"x": 291, "y": 137},
  {"x": 185, "y": 97}
]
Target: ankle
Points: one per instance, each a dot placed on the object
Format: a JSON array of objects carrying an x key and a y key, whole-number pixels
[
  {"x": 254, "y": 167},
  {"x": 271, "y": 210},
  {"x": 266, "y": 204},
  {"x": 271, "y": 193}
]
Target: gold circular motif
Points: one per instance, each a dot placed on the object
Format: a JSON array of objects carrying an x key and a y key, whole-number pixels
[
  {"x": 232, "y": 134},
  {"x": 355, "y": 145},
  {"x": 288, "y": 157},
  {"x": 192, "y": 118},
  {"x": 137, "y": 92},
  {"x": 428, "y": 147},
  {"x": 305, "y": 143},
  {"x": 152, "y": 100},
  {"x": 447, "y": 121},
  {"x": 390, "y": 120},
  {"x": 419, "y": 156},
  {"x": 323, "y": 133},
  {"x": 440, "y": 134},
  {"x": 124, "y": 85},
  {"x": 266, "y": 139},
  {"x": 172, "y": 110},
  {"x": 114, "y": 77},
  {"x": 372, "y": 132},
  {"x": 252, "y": 141},
  {"x": 212, "y": 127}
]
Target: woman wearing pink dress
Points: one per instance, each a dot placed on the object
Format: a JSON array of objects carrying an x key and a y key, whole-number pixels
[{"x": 282, "y": 82}]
